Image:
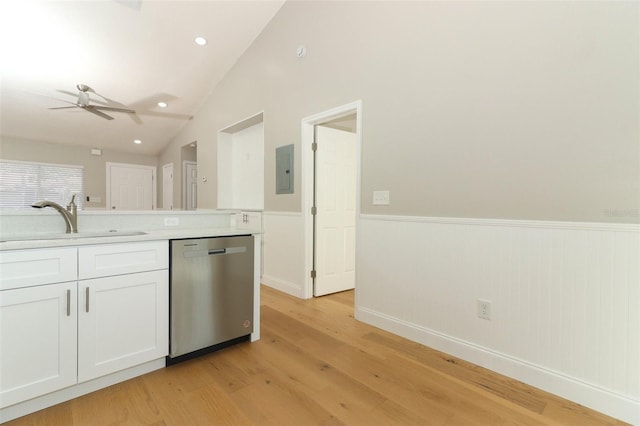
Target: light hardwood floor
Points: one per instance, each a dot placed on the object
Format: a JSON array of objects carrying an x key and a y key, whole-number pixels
[{"x": 316, "y": 365}]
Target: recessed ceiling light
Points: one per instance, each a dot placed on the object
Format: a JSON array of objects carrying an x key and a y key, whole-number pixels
[
  {"x": 162, "y": 104},
  {"x": 201, "y": 41},
  {"x": 137, "y": 141}
]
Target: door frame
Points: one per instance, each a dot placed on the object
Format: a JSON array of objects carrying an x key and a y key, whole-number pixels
[
  {"x": 308, "y": 135},
  {"x": 154, "y": 188},
  {"x": 184, "y": 181},
  {"x": 164, "y": 202}
]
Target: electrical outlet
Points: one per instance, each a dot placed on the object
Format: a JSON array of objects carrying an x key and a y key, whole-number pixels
[
  {"x": 380, "y": 198},
  {"x": 484, "y": 309},
  {"x": 171, "y": 221}
]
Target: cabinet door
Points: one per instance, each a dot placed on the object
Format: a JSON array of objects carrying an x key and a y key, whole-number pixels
[
  {"x": 38, "y": 341},
  {"x": 122, "y": 322}
]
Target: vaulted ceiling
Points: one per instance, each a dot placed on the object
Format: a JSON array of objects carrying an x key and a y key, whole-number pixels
[{"x": 132, "y": 53}]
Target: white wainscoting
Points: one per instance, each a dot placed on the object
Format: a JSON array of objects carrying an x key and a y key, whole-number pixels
[
  {"x": 283, "y": 252},
  {"x": 565, "y": 299}
]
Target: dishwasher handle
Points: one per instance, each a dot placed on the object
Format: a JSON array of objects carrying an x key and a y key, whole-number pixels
[
  {"x": 214, "y": 252},
  {"x": 227, "y": 250}
]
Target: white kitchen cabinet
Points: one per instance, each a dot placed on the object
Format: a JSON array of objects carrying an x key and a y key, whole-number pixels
[
  {"x": 123, "y": 321},
  {"x": 123, "y": 309},
  {"x": 38, "y": 335},
  {"x": 110, "y": 315}
]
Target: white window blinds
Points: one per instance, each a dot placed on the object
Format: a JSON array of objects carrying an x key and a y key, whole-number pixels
[{"x": 24, "y": 183}]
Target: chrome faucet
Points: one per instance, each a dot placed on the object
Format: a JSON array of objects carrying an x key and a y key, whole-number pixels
[{"x": 70, "y": 215}]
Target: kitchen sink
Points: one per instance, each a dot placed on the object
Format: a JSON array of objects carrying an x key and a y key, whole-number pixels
[{"x": 61, "y": 236}]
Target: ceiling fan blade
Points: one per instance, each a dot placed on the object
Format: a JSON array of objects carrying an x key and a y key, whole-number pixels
[
  {"x": 91, "y": 109},
  {"x": 75, "y": 95},
  {"x": 107, "y": 101},
  {"x": 135, "y": 118},
  {"x": 66, "y": 92},
  {"x": 65, "y": 107},
  {"x": 104, "y": 97},
  {"x": 61, "y": 100},
  {"x": 108, "y": 108}
]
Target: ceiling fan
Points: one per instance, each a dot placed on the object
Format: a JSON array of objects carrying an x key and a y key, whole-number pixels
[{"x": 84, "y": 102}]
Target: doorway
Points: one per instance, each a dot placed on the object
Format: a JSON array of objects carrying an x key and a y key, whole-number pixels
[
  {"x": 331, "y": 198},
  {"x": 130, "y": 187},
  {"x": 190, "y": 190},
  {"x": 167, "y": 186},
  {"x": 189, "y": 175}
]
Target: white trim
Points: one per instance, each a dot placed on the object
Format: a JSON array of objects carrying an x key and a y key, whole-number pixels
[
  {"x": 184, "y": 181},
  {"x": 275, "y": 213},
  {"x": 542, "y": 276},
  {"x": 603, "y": 400},
  {"x": 290, "y": 288},
  {"x": 593, "y": 226},
  {"x": 307, "y": 179},
  {"x": 244, "y": 123},
  {"x": 164, "y": 202},
  {"x": 257, "y": 263}
]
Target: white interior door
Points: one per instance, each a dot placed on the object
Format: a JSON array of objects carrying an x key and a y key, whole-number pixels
[
  {"x": 130, "y": 186},
  {"x": 167, "y": 186},
  {"x": 190, "y": 185},
  {"x": 336, "y": 210}
]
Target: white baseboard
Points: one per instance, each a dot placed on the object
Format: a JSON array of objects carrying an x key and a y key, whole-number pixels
[
  {"x": 286, "y": 287},
  {"x": 607, "y": 402}
]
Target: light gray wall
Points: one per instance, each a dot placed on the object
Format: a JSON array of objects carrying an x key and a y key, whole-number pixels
[
  {"x": 524, "y": 110},
  {"x": 95, "y": 168}
]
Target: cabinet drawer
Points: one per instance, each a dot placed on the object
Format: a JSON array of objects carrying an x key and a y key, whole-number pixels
[
  {"x": 116, "y": 259},
  {"x": 26, "y": 268}
]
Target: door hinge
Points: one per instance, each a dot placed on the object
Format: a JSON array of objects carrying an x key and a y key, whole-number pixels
[
  {"x": 314, "y": 210},
  {"x": 314, "y": 146},
  {"x": 313, "y": 274}
]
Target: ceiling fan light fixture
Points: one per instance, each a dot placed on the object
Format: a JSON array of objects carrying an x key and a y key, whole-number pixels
[
  {"x": 162, "y": 104},
  {"x": 200, "y": 41}
]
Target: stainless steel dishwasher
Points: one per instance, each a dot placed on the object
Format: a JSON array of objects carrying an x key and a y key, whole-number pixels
[{"x": 211, "y": 289}]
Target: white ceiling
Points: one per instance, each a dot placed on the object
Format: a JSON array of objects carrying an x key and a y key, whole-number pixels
[{"x": 132, "y": 52}]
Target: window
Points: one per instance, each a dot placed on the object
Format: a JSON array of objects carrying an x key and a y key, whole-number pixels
[{"x": 24, "y": 183}]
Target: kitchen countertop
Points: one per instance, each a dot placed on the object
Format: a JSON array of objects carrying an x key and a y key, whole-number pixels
[{"x": 67, "y": 240}]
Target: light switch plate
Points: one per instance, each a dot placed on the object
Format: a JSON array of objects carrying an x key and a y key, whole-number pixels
[{"x": 380, "y": 198}]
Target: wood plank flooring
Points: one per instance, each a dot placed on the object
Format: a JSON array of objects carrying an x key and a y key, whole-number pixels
[{"x": 316, "y": 365}]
